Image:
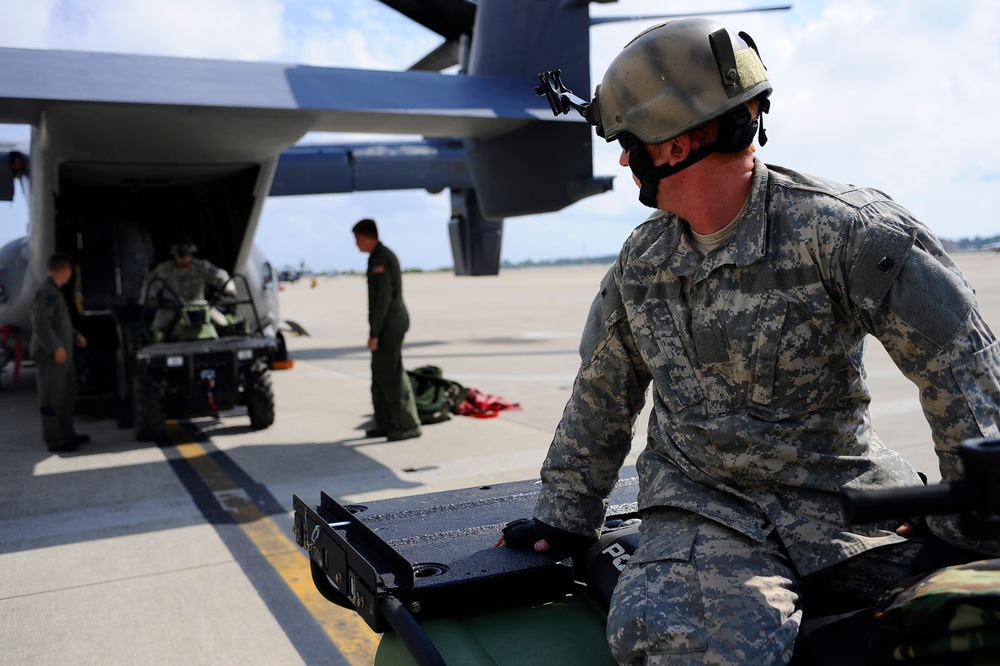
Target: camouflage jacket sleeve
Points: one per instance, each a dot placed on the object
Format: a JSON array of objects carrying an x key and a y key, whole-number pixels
[
  {"x": 212, "y": 274},
  {"x": 911, "y": 296},
  {"x": 595, "y": 433}
]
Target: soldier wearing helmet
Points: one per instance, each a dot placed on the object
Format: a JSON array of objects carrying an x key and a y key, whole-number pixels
[
  {"x": 183, "y": 277},
  {"x": 654, "y": 93},
  {"x": 744, "y": 302}
]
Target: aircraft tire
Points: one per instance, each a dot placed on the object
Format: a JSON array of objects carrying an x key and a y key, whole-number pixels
[
  {"x": 147, "y": 408},
  {"x": 260, "y": 397}
]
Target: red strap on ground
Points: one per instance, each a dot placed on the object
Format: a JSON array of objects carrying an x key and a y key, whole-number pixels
[{"x": 482, "y": 406}]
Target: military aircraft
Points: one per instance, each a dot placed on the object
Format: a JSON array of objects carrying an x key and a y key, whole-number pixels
[{"x": 129, "y": 153}]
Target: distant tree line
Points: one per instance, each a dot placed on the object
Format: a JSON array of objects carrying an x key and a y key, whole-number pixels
[
  {"x": 961, "y": 245},
  {"x": 969, "y": 244},
  {"x": 527, "y": 263}
]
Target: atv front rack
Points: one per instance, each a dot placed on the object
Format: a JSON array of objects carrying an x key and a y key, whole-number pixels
[{"x": 405, "y": 559}]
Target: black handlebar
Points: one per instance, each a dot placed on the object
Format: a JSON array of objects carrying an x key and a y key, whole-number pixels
[
  {"x": 869, "y": 506},
  {"x": 976, "y": 497}
]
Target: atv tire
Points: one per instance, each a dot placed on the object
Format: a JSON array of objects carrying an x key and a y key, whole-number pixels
[
  {"x": 260, "y": 396},
  {"x": 147, "y": 408}
]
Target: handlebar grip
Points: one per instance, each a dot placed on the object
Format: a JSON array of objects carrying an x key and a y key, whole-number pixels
[{"x": 869, "y": 506}]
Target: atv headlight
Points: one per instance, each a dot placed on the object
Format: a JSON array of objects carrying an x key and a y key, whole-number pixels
[
  {"x": 244, "y": 354},
  {"x": 175, "y": 361}
]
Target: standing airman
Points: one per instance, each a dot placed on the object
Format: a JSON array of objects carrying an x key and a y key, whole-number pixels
[
  {"x": 392, "y": 397},
  {"x": 51, "y": 347}
]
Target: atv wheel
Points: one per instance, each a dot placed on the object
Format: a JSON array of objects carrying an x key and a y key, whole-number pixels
[
  {"x": 260, "y": 397},
  {"x": 147, "y": 409}
]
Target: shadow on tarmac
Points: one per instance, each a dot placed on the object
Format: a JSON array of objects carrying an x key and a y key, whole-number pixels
[{"x": 116, "y": 486}]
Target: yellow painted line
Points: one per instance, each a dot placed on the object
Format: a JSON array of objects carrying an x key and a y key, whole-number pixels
[{"x": 346, "y": 630}]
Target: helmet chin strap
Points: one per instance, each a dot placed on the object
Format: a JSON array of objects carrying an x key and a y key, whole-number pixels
[
  {"x": 736, "y": 132},
  {"x": 650, "y": 175}
]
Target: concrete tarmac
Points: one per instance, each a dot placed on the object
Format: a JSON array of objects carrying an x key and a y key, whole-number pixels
[{"x": 180, "y": 551}]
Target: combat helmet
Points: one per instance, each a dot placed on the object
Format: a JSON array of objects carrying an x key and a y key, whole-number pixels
[
  {"x": 673, "y": 78},
  {"x": 183, "y": 248}
]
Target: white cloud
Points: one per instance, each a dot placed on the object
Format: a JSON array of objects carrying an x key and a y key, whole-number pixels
[
  {"x": 893, "y": 94},
  {"x": 241, "y": 30},
  {"x": 26, "y": 24}
]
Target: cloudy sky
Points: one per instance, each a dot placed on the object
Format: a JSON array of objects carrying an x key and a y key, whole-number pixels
[{"x": 900, "y": 95}]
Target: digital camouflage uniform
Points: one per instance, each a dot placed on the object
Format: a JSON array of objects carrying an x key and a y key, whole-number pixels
[
  {"x": 760, "y": 409},
  {"x": 188, "y": 284},
  {"x": 388, "y": 321},
  {"x": 52, "y": 328}
]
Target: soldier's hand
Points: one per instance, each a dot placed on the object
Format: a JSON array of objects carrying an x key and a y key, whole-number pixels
[
  {"x": 59, "y": 356},
  {"x": 230, "y": 289},
  {"x": 539, "y": 546},
  {"x": 80, "y": 340},
  {"x": 541, "y": 537},
  {"x": 372, "y": 344}
]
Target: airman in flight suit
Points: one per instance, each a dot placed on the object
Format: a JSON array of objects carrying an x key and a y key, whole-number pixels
[
  {"x": 388, "y": 320},
  {"x": 52, "y": 341}
]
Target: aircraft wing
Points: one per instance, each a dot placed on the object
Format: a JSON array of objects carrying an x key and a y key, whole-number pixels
[
  {"x": 143, "y": 126},
  {"x": 327, "y": 99}
]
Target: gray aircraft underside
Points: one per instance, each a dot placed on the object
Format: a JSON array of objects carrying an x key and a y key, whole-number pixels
[{"x": 128, "y": 153}]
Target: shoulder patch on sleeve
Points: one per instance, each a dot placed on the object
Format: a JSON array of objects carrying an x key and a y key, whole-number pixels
[
  {"x": 932, "y": 299},
  {"x": 612, "y": 305},
  {"x": 378, "y": 270},
  {"x": 892, "y": 271},
  {"x": 881, "y": 258},
  {"x": 606, "y": 309}
]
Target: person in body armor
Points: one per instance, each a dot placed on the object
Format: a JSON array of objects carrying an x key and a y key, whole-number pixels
[
  {"x": 185, "y": 277},
  {"x": 52, "y": 341},
  {"x": 744, "y": 302},
  {"x": 388, "y": 320}
]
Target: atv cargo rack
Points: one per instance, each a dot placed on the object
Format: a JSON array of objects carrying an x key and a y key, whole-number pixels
[{"x": 399, "y": 561}]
